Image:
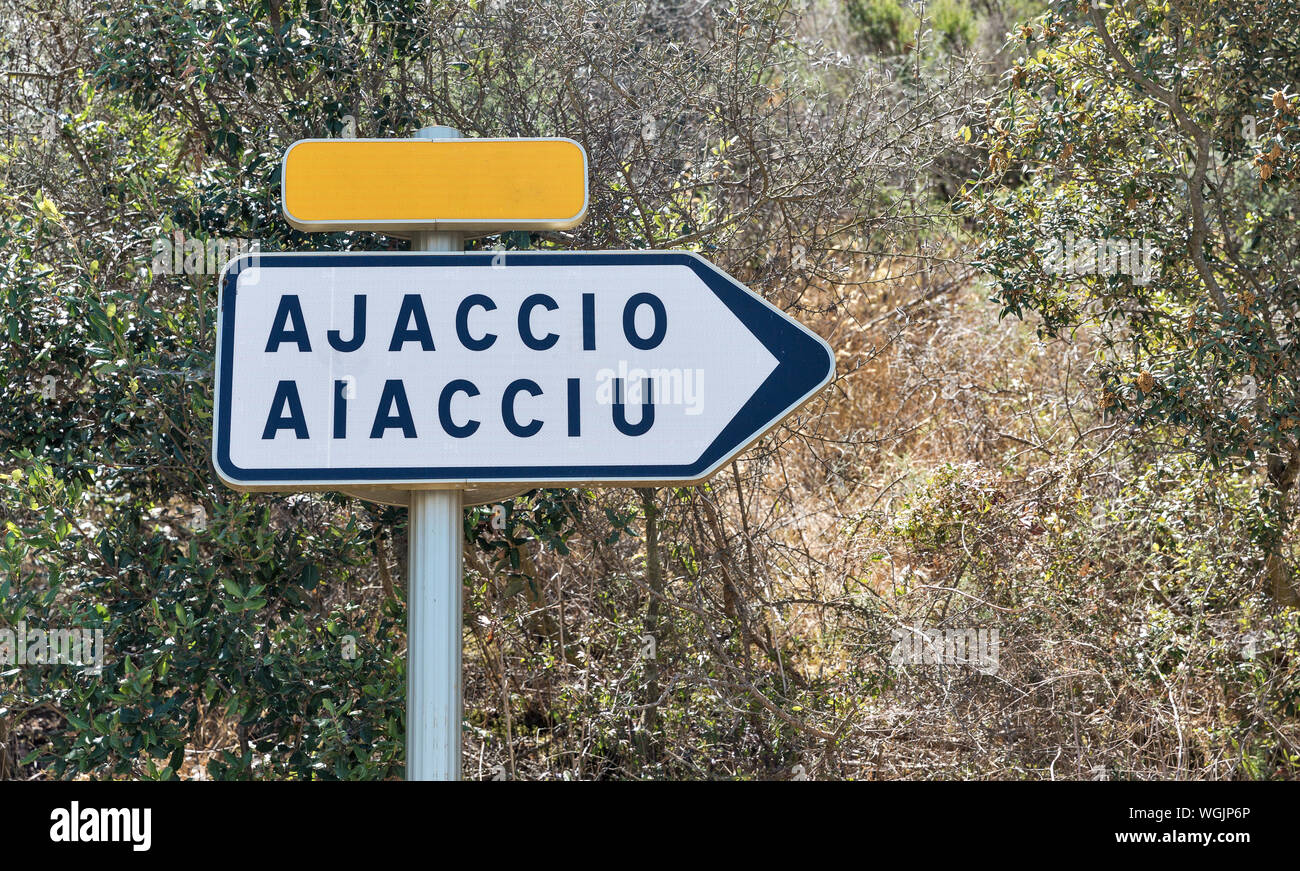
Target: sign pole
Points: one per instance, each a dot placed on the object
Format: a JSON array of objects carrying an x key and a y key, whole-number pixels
[{"x": 434, "y": 593}]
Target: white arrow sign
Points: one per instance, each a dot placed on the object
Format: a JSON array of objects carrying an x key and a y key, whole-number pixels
[{"x": 347, "y": 369}]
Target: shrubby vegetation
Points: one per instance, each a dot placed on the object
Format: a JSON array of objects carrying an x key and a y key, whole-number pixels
[
  {"x": 1170, "y": 132},
  {"x": 1104, "y": 474}
]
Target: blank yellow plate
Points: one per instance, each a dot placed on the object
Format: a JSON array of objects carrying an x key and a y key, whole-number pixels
[{"x": 406, "y": 185}]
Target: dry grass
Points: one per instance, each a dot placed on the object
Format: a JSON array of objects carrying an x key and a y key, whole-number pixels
[{"x": 956, "y": 475}]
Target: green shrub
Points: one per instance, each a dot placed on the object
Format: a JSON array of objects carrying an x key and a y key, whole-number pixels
[{"x": 882, "y": 25}]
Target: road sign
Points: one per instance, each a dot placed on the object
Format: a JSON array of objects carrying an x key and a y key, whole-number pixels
[
  {"x": 433, "y": 378},
  {"x": 419, "y": 369},
  {"x": 405, "y": 185}
]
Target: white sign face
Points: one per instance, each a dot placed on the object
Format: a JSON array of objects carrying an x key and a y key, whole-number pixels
[{"x": 336, "y": 370}]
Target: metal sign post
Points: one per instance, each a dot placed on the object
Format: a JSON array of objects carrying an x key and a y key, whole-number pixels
[
  {"x": 434, "y": 590},
  {"x": 433, "y": 635}
]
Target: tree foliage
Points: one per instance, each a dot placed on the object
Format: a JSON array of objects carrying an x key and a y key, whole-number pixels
[{"x": 1141, "y": 184}]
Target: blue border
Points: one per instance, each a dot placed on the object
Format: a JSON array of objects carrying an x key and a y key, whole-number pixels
[{"x": 804, "y": 362}]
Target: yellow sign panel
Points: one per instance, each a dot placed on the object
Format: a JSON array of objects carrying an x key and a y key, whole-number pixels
[{"x": 407, "y": 185}]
